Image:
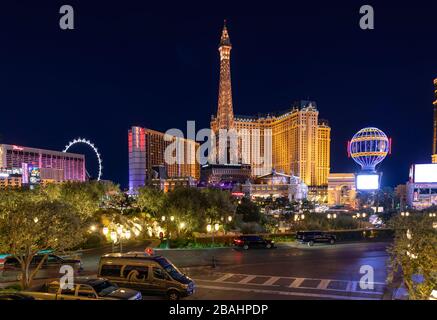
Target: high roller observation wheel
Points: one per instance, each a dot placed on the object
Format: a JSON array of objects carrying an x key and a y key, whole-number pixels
[{"x": 92, "y": 146}]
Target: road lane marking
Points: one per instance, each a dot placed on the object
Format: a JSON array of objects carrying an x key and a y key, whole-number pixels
[
  {"x": 291, "y": 277},
  {"x": 271, "y": 281},
  {"x": 287, "y": 293},
  {"x": 247, "y": 279},
  {"x": 323, "y": 284},
  {"x": 297, "y": 282},
  {"x": 223, "y": 278}
]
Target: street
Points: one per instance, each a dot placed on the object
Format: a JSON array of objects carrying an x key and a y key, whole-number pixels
[{"x": 290, "y": 271}]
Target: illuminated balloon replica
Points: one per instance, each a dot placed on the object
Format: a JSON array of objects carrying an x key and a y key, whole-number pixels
[{"x": 369, "y": 147}]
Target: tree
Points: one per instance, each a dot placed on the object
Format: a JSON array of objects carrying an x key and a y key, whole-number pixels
[
  {"x": 85, "y": 197},
  {"x": 219, "y": 205},
  {"x": 31, "y": 222},
  {"x": 413, "y": 254},
  {"x": 150, "y": 200},
  {"x": 186, "y": 205},
  {"x": 249, "y": 210}
]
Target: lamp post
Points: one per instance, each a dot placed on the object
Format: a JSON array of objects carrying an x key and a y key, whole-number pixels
[
  {"x": 117, "y": 235},
  {"x": 405, "y": 214},
  {"x": 209, "y": 229},
  {"x": 114, "y": 239},
  {"x": 120, "y": 235},
  {"x": 165, "y": 219}
]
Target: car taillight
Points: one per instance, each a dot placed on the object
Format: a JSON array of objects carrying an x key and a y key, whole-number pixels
[{"x": 238, "y": 241}]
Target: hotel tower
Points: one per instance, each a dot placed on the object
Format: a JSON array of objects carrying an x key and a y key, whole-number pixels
[
  {"x": 434, "y": 140},
  {"x": 300, "y": 141}
]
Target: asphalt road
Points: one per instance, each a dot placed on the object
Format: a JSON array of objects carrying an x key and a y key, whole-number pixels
[{"x": 287, "y": 272}]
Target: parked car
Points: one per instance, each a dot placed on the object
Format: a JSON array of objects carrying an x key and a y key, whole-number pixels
[
  {"x": 247, "y": 242},
  {"x": 15, "y": 296},
  {"x": 84, "y": 288},
  {"x": 311, "y": 237},
  {"x": 148, "y": 273},
  {"x": 10, "y": 267}
]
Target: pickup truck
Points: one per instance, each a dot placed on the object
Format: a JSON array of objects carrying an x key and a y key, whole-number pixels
[
  {"x": 87, "y": 288},
  {"x": 10, "y": 268}
]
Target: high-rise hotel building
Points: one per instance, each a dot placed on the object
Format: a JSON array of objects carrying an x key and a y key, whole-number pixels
[
  {"x": 147, "y": 150},
  {"x": 434, "y": 140},
  {"x": 300, "y": 141},
  {"x": 18, "y": 164}
]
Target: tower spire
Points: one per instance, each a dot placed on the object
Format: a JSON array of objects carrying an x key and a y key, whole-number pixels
[
  {"x": 225, "y": 40},
  {"x": 225, "y": 113}
]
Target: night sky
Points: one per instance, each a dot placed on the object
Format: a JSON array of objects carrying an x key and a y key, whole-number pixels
[{"x": 129, "y": 63}]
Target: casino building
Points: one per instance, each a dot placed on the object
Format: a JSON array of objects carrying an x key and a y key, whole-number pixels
[
  {"x": 23, "y": 166},
  {"x": 276, "y": 185},
  {"x": 300, "y": 141},
  {"x": 421, "y": 189},
  {"x": 434, "y": 140},
  {"x": 146, "y": 149}
]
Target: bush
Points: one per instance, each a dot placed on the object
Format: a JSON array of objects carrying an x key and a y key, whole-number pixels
[
  {"x": 93, "y": 241},
  {"x": 198, "y": 243},
  {"x": 251, "y": 227}
]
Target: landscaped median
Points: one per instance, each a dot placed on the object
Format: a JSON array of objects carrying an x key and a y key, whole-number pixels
[{"x": 220, "y": 241}]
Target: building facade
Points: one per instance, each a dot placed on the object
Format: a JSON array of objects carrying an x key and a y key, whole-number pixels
[
  {"x": 342, "y": 190},
  {"x": 224, "y": 176},
  {"x": 295, "y": 142},
  {"x": 147, "y": 150},
  {"x": 434, "y": 140},
  {"x": 276, "y": 185},
  {"x": 23, "y": 165}
]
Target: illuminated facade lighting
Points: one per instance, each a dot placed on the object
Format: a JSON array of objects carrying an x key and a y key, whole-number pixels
[
  {"x": 52, "y": 166},
  {"x": 146, "y": 149},
  {"x": 300, "y": 141}
]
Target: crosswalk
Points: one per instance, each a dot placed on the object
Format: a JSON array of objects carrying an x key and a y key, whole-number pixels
[{"x": 295, "y": 286}]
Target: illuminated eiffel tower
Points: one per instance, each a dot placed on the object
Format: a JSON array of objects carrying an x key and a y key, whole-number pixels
[{"x": 225, "y": 112}]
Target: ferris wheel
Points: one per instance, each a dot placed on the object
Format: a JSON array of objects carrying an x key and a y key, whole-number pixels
[{"x": 92, "y": 146}]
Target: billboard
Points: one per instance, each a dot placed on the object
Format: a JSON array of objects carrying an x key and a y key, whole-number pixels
[
  {"x": 425, "y": 173},
  {"x": 367, "y": 181},
  {"x": 34, "y": 175}
]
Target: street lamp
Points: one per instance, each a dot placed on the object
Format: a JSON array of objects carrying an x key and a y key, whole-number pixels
[
  {"x": 114, "y": 239},
  {"x": 105, "y": 231},
  {"x": 171, "y": 218},
  {"x": 230, "y": 218},
  {"x": 208, "y": 228},
  {"x": 329, "y": 216}
]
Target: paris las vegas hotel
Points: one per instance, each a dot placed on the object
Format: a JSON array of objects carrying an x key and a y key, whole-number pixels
[{"x": 300, "y": 140}]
